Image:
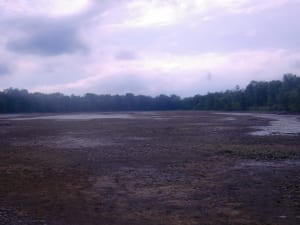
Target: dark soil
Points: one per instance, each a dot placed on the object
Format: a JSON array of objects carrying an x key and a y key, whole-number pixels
[{"x": 150, "y": 169}]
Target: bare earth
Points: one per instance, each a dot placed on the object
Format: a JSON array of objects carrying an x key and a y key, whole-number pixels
[{"x": 160, "y": 168}]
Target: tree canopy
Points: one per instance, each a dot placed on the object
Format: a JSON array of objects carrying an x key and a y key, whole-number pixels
[{"x": 276, "y": 95}]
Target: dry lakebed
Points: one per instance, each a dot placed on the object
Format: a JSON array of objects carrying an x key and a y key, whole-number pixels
[{"x": 150, "y": 168}]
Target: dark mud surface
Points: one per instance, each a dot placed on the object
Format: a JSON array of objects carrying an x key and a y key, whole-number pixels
[{"x": 162, "y": 168}]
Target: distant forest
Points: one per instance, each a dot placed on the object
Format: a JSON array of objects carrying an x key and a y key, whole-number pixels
[{"x": 275, "y": 95}]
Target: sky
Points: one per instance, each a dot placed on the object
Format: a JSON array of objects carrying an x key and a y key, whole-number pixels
[{"x": 150, "y": 47}]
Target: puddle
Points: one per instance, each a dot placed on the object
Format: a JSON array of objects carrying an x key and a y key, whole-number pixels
[
  {"x": 229, "y": 119},
  {"x": 87, "y": 116},
  {"x": 277, "y": 164},
  {"x": 136, "y": 138},
  {"x": 279, "y": 124},
  {"x": 201, "y": 124},
  {"x": 7, "y": 116},
  {"x": 160, "y": 118}
]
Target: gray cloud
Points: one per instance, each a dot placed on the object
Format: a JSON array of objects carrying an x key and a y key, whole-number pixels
[
  {"x": 126, "y": 55},
  {"x": 209, "y": 76},
  {"x": 4, "y": 69},
  {"x": 296, "y": 64},
  {"x": 47, "y": 38}
]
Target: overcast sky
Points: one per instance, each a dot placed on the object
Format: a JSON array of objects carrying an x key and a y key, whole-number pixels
[{"x": 182, "y": 47}]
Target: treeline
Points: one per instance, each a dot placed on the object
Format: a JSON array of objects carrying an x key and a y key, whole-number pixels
[{"x": 275, "y": 95}]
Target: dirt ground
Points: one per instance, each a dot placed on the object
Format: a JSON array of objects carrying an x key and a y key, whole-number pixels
[{"x": 160, "y": 168}]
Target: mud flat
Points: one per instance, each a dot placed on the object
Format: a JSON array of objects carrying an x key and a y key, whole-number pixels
[{"x": 149, "y": 168}]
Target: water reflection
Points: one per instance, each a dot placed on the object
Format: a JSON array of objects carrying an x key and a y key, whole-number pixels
[{"x": 86, "y": 116}]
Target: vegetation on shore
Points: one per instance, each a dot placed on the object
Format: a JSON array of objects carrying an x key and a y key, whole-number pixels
[{"x": 276, "y": 95}]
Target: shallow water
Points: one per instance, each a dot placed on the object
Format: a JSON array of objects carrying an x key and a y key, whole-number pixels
[
  {"x": 86, "y": 116},
  {"x": 279, "y": 124},
  {"x": 283, "y": 163},
  {"x": 229, "y": 119}
]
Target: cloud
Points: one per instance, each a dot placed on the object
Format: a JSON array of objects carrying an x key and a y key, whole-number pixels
[
  {"x": 56, "y": 40},
  {"x": 295, "y": 64},
  {"x": 45, "y": 28},
  {"x": 147, "y": 47},
  {"x": 181, "y": 75},
  {"x": 252, "y": 6},
  {"x": 140, "y": 14},
  {"x": 231, "y": 32},
  {"x": 55, "y": 8},
  {"x": 126, "y": 55},
  {"x": 4, "y": 69},
  {"x": 47, "y": 43}
]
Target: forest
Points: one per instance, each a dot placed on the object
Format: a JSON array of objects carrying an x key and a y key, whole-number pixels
[{"x": 276, "y": 95}]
